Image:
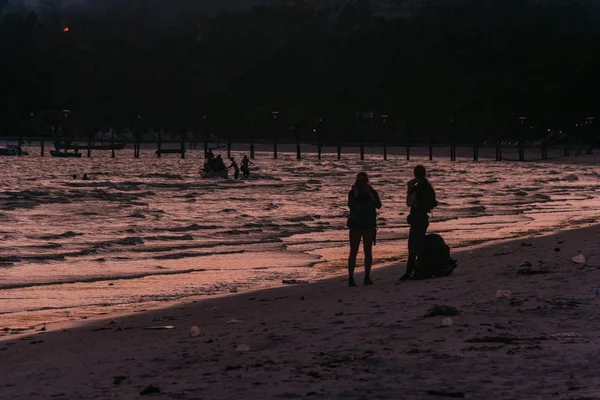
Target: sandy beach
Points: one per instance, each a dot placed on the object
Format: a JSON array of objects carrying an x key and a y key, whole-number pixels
[{"x": 325, "y": 340}]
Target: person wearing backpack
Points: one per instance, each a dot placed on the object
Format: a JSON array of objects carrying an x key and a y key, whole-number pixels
[
  {"x": 363, "y": 202},
  {"x": 420, "y": 197}
]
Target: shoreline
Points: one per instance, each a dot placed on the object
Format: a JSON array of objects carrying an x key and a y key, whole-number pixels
[
  {"x": 332, "y": 274},
  {"x": 325, "y": 340}
]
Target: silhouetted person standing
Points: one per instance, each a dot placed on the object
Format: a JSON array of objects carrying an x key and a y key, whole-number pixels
[
  {"x": 420, "y": 197},
  {"x": 246, "y": 167},
  {"x": 363, "y": 202},
  {"x": 209, "y": 161},
  {"x": 236, "y": 169}
]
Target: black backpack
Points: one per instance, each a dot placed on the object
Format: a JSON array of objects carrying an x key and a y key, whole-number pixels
[{"x": 434, "y": 259}]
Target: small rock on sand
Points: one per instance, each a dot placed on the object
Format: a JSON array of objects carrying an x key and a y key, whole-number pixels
[
  {"x": 242, "y": 348},
  {"x": 151, "y": 389},
  {"x": 118, "y": 379},
  {"x": 447, "y": 311}
]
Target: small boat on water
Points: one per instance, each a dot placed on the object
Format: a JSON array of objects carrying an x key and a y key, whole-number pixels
[
  {"x": 64, "y": 154},
  {"x": 224, "y": 174},
  {"x": 12, "y": 150}
]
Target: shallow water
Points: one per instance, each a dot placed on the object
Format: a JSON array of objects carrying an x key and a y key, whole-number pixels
[{"x": 146, "y": 231}]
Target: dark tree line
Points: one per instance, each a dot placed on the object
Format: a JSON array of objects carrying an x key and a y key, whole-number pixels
[{"x": 331, "y": 74}]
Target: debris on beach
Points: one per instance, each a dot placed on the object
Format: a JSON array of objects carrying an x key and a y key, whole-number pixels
[
  {"x": 579, "y": 259},
  {"x": 505, "y": 339},
  {"x": 242, "y": 348},
  {"x": 194, "y": 331},
  {"x": 525, "y": 263},
  {"x": 564, "y": 335},
  {"x": 117, "y": 380},
  {"x": 446, "y": 311},
  {"x": 503, "y": 294},
  {"x": 234, "y": 321},
  {"x": 446, "y": 393},
  {"x": 293, "y": 282},
  {"x": 533, "y": 271},
  {"x": 159, "y": 328},
  {"x": 151, "y": 389}
]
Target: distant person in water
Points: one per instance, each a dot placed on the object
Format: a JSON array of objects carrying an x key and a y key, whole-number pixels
[
  {"x": 85, "y": 177},
  {"x": 219, "y": 164},
  {"x": 420, "y": 197},
  {"x": 363, "y": 202},
  {"x": 209, "y": 160},
  {"x": 246, "y": 166},
  {"x": 236, "y": 169}
]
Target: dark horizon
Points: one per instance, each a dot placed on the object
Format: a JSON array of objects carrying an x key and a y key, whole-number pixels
[{"x": 479, "y": 66}]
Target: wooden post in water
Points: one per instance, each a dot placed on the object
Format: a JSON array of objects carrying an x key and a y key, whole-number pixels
[
  {"x": 275, "y": 115},
  {"x": 407, "y": 141},
  {"x": 384, "y": 119},
  {"x": 112, "y": 141},
  {"x": 476, "y": 151},
  {"x": 319, "y": 150},
  {"x": 521, "y": 134},
  {"x": 298, "y": 149},
  {"x": 339, "y": 152},
  {"x": 42, "y": 144},
  {"x": 89, "y": 147},
  {"x": 521, "y": 151},
  {"x": 19, "y": 144},
  {"x": 362, "y": 151},
  {"x": 159, "y": 144},
  {"x": 254, "y": 131},
  {"x": 228, "y": 149},
  {"x": 452, "y": 139},
  {"x": 183, "y": 145},
  {"x": 430, "y": 149}
]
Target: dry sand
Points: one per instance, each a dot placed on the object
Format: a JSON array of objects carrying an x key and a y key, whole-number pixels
[{"x": 326, "y": 341}]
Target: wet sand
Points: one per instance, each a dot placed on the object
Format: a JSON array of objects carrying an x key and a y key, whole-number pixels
[{"x": 323, "y": 340}]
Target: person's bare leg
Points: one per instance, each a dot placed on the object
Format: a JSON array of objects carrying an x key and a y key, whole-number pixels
[
  {"x": 368, "y": 238},
  {"x": 355, "y": 236}
]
